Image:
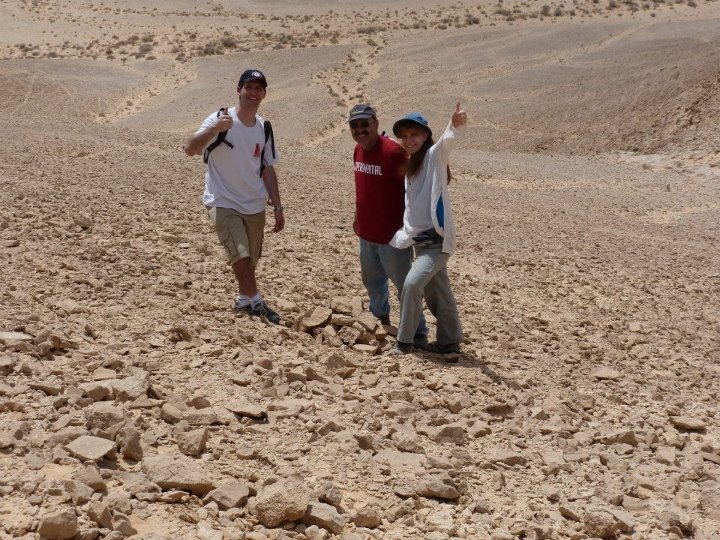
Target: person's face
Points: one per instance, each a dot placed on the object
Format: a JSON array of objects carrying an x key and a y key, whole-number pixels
[
  {"x": 364, "y": 132},
  {"x": 251, "y": 93},
  {"x": 412, "y": 138}
]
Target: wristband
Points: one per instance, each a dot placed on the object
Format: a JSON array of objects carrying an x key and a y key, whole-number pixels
[{"x": 278, "y": 209}]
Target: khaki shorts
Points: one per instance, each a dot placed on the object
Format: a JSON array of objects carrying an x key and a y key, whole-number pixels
[{"x": 240, "y": 234}]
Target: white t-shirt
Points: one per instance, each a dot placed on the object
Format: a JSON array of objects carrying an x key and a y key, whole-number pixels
[{"x": 233, "y": 174}]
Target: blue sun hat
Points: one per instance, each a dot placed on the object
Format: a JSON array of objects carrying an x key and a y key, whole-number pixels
[{"x": 413, "y": 118}]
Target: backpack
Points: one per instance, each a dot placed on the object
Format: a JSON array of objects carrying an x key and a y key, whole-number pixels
[{"x": 220, "y": 139}]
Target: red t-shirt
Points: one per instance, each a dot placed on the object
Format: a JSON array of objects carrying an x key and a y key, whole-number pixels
[{"x": 379, "y": 190}]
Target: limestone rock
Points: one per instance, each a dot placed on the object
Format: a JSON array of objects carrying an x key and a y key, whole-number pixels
[
  {"x": 90, "y": 476},
  {"x": 606, "y": 373},
  {"x": 325, "y": 516},
  {"x": 231, "y": 495},
  {"x": 688, "y": 423},
  {"x": 281, "y": 502},
  {"x": 599, "y": 524},
  {"x": 709, "y": 501},
  {"x": 128, "y": 438},
  {"x": 132, "y": 387},
  {"x": 313, "y": 532},
  {"x": 395, "y": 459},
  {"x": 102, "y": 415},
  {"x": 177, "y": 472},
  {"x": 450, "y": 433},
  {"x": 441, "y": 486},
  {"x": 244, "y": 408},
  {"x": 50, "y": 387},
  {"x": 65, "y": 436},
  {"x": 99, "y": 512},
  {"x": 319, "y": 316},
  {"x": 192, "y": 443},
  {"x": 6, "y": 337},
  {"x": 58, "y": 525},
  {"x": 368, "y": 516},
  {"x": 206, "y": 532},
  {"x": 90, "y": 448},
  {"x": 509, "y": 458},
  {"x": 79, "y": 492}
]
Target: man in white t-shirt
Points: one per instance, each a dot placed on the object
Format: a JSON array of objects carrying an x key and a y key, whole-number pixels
[{"x": 240, "y": 179}]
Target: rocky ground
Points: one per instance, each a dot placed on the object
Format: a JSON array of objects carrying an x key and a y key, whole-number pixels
[{"x": 584, "y": 402}]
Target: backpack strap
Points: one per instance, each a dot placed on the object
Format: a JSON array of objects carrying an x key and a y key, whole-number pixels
[
  {"x": 269, "y": 136},
  {"x": 218, "y": 140}
]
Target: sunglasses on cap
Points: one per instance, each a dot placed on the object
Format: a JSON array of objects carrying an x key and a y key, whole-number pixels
[{"x": 359, "y": 124}]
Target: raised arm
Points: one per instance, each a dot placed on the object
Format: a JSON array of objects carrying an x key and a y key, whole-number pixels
[
  {"x": 199, "y": 140},
  {"x": 447, "y": 140},
  {"x": 459, "y": 117}
]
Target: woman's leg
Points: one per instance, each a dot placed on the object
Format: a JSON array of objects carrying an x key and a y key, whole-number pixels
[
  {"x": 441, "y": 302},
  {"x": 428, "y": 262}
]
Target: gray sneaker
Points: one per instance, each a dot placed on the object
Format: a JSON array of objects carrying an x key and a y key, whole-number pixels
[
  {"x": 421, "y": 342},
  {"x": 261, "y": 309},
  {"x": 400, "y": 348},
  {"x": 443, "y": 348}
]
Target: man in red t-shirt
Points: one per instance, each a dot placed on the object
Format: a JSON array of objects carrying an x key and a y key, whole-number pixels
[{"x": 379, "y": 164}]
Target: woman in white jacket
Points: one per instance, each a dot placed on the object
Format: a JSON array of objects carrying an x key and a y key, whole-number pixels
[{"x": 428, "y": 226}]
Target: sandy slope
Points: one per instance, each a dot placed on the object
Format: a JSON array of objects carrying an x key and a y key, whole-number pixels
[{"x": 587, "y": 272}]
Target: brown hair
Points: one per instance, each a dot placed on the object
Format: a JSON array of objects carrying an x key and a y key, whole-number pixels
[{"x": 415, "y": 162}]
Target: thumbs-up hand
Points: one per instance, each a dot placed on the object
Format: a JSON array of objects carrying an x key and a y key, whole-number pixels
[
  {"x": 224, "y": 121},
  {"x": 459, "y": 117}
]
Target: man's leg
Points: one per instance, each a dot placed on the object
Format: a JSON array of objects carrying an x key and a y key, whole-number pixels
[
  {"x": 397, "y": 263},
  {"x": 242, "y": 237},
  {"x": 374, "y": 278},
  {"x": 427, "y": 263},
  {"x": 239, "y": 237},
  {"x": 244, "y": 271}
]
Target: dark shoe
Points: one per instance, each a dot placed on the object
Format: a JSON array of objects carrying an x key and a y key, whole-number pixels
[
  {"x": 421, "y": 342},
  {"x": 385, "y": 320},
  {"x": 261, "y": 309},
  {"x": 443, "y": 348},
  {"x": 400, "y": 348}
]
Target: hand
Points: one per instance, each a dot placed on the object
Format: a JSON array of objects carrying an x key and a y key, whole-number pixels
[
  {"x": 224, "y": 121},
  {"x": 459, "y": 117},
  {"x": 279, "y": 221}
]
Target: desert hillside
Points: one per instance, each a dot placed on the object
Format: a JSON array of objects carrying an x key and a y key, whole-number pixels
[{"x": 584, "y": 403}]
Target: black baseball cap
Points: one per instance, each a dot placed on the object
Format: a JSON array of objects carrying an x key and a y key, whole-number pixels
[{"x": 253, "y": 75}]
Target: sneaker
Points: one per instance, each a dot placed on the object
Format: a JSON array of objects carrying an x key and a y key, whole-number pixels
[
  {"x": 421, "y": 342},
  {"x": 261, "y": 309},
  {"x": 385, "y": 320},
  {"x": 443, "y": 348},
  {"x": 400, "y": 348}
]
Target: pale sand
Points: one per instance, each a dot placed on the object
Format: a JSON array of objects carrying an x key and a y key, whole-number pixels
[{"x": 587, "y": 198}]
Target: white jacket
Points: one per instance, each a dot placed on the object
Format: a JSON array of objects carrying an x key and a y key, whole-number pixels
[{"x": 427, "y": 199}]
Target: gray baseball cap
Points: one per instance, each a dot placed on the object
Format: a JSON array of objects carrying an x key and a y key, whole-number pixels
[{"x": 361, "y": 111}]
